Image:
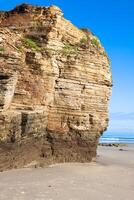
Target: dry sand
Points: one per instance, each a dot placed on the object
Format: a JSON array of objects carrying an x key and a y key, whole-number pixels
[{"x": 111, "y": 176}]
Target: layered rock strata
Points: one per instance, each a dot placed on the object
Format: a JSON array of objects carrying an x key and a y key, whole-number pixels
[{"x": 55, "y": 84}]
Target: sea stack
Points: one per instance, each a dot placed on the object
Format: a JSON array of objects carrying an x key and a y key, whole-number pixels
[{"x": 55, "y": 84}]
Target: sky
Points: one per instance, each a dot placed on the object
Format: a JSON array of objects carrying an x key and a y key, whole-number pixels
[{"x": 113, "y": 22}]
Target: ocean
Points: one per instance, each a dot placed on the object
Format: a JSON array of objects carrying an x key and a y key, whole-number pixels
[{"x": 123, "y": 138}]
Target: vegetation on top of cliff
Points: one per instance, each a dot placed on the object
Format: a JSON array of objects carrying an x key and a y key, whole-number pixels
[
  {"x": 84, "y": 42},
  {"x": 73, "y": 49},
  {"x": 95, "y": 42},
  {"x": 89, "y": 37}
]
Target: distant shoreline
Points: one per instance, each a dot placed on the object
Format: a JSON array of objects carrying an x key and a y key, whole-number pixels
[
  {"x": 117, "y": 138},
  {"x": 116, "y": 141}
]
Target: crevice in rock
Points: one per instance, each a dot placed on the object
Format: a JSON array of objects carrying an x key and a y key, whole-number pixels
[
  {"x": 50, "y": 140},
  {"x": 23, "y": 124},
  {"x": 4, "y": 77}
]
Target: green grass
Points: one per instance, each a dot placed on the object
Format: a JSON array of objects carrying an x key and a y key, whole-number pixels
[
  {"x": 2, "y": 49},
  {"x": 30, "y": 43},
  {"x": 95, "y": 42},
  {"x": 69, "y": 49},
  {"x": 84, "y": 40}
]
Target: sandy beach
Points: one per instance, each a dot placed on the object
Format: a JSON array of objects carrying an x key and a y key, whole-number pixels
[{"x": 110, "y": 176}]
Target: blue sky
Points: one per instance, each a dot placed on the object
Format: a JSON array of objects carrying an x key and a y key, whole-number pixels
[{"x": 113, "y": 22}]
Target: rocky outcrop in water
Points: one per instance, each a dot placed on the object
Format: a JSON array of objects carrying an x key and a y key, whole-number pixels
[{"x": 55, "y": 83}]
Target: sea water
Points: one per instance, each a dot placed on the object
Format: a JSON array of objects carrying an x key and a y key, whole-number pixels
[{"x": 124, "y": 138}]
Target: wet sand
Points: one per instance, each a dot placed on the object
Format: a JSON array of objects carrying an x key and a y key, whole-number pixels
[{"x": 111, "y": 176}]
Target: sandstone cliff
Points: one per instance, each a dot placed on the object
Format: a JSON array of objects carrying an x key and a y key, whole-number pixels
[{"x": 55, "y": 83}]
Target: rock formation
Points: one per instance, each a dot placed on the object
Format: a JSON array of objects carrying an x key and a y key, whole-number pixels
[{"x": 55, "y": 83}]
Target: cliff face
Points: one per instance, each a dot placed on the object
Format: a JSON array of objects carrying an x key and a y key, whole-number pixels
[{"x": 55, "y": 83}]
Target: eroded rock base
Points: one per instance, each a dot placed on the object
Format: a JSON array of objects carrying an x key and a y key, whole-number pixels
[{"x": 47, "y": 150}]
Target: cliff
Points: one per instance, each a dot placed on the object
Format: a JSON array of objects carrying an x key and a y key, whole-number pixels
[{"x": 55, "y": 84}]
